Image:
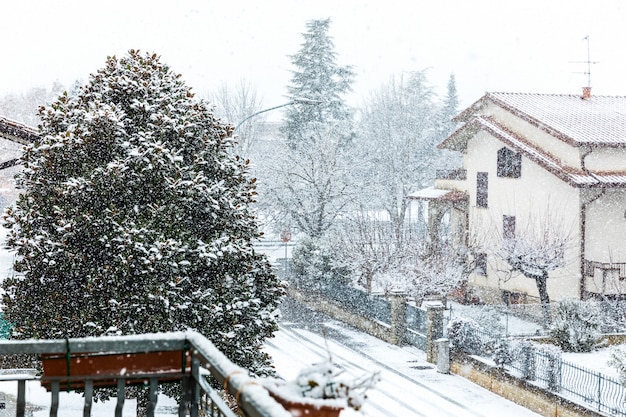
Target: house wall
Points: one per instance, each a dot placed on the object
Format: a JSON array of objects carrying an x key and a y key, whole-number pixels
[
  {"x": 606, "y": 227},
  {"x": 568, "y": 154},
  {"x": 536, "y": 199},
  {"x": 606, "y": 159},
  {"x": 604, "y": 241}
]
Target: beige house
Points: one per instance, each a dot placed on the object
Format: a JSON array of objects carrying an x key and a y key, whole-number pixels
[{"x": 538, "y": 163}]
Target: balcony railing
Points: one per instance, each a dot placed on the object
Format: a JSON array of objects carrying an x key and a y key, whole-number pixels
[
  {"x": 591, "y": 266},
  {"x": 120, "y": 361},
  {"x": 451, "y": 174}
]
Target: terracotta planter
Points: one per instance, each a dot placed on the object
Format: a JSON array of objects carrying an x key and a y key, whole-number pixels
[
  {"x": 315, "y": 408},
  {"x": 107, "y": 367}
]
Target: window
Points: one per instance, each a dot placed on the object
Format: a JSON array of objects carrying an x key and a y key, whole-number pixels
[
  {"x": 482, "y": 189},
  {"x": 481, "y": 264},
  {"x": 509, "y": 163},
  {"x": 508, "y": 227}
]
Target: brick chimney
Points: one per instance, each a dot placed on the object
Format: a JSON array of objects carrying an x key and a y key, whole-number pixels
[{"x": 586, "y": 93}]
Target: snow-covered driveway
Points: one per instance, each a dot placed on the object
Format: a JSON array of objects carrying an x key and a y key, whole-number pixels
[{"x": 409, "y": 387}]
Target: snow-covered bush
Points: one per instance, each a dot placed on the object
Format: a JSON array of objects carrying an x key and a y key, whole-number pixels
[
  {"x": 577, "y": 325},
  {"x": 314, "y": 263},
  {"x": 524, "y": 352},
  {"x": 552, "y": 369},
  {"x": 618, "y": 361},
  {"x": 465, "y": 335},
  {"x": 501, "y": 349},
  {"x": 136, "y": 216}
]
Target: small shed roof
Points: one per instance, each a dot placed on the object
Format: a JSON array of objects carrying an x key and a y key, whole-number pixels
[{"x": 435, "y": 194}]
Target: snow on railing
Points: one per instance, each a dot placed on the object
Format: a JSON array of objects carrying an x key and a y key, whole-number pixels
[
  {"x": 115, "y": 361},
  {"x": 17, "y": 132}
]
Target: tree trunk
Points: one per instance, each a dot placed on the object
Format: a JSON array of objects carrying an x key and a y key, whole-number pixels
[{"x": 542, "y": 287}]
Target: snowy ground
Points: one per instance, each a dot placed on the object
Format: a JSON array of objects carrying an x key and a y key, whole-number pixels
[
  {"x": 410, "y": 386},
  {"x": 71, "y": 404}
]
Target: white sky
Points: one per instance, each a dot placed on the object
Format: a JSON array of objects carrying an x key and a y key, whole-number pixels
[{"x": 490, "y": 45}]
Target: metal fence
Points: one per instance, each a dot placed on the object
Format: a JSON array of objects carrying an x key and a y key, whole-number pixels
[
  {"x": 415, "y": 326},
  {"x": 511, "y": 320},
  {"x": 543, "y": 366},
  {"x": 360, "y": 302},
  {"x": 503, "y": 342}
]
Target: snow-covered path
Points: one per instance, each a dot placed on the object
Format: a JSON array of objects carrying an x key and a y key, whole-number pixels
[{"x": 409, "y": 387}]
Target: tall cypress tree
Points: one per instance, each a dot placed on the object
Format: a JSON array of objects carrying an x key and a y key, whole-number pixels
[
  {"x": 136, "y": 217},
  {"x": 449, "y": 109},
  {"x": 319, "y": 78}
]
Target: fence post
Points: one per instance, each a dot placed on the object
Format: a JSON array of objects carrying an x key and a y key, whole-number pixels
[
  {"x": 443, "y": 355},
  {"x": 529, "y": 362},
  {"x": 434, "y": 328},
  {"x": 398, "y": 317},
  {"x": 554, "y": 371}
]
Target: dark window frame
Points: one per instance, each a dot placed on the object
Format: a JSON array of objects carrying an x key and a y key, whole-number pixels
[
  {"x": 482, "y": 189},
  {"x": 508, "y": 227},
  {"x": 509, "y": 163}
]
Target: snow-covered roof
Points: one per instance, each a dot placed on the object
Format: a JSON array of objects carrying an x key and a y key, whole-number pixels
[
  {"x": 575, "y": 177},
  {"x": 16, "y": 132},
  {"x": 432, "y": 193},
  {"x": 597, "y": 120}
]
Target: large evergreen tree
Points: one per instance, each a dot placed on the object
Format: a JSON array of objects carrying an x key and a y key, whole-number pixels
[
  {"x": 319, "y": 78},
  {"x": 135, "y": 217},
  {"x": 311, "y": 185}
]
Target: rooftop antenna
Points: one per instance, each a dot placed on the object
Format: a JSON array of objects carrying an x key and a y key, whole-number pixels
[{"x": 587, "y": 89}]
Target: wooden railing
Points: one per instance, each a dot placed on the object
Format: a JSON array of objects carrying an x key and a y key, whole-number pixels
[{"x": 147, "y": 359}]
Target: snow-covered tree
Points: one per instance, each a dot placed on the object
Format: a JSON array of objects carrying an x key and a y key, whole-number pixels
[
  {"x": 400, "y": 130},
  {"x": 380, "y": 261},
  {"x": 234, "y": 104},
  {"x": 533, "y": 249},
  {"x": 319, "y": 78},
  {"x": 311, "y": 180},
  {"x": 314, "y": 263},
  {"x": 437, "y": 274},
  {"x": 22, "y": 107},
  {"x": 135, "y": 216},
  {"x": 370, "y": 248},
  {"x": 449, "y": 109},
  {"x": 310, "y": 186},
  {"x": 535, "y": 257}
]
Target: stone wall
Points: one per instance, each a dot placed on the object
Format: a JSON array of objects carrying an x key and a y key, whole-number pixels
[
  {"x": 372, "y": 327},
  {"x": 514, "y": 389}
]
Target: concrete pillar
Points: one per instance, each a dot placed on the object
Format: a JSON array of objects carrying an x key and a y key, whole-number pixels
[
  {"x": 398, "y": 317},
  {"x": 434, "y": 328},
  {"x": 443, "y": 355}
]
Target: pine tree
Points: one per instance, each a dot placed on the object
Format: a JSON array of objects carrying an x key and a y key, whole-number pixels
[
  {"x": 136, "y": 217},
  {"x": 319, "y": 78},
  {"x": 449, "y": 109},
  {"x": 312, "y": 182}
]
